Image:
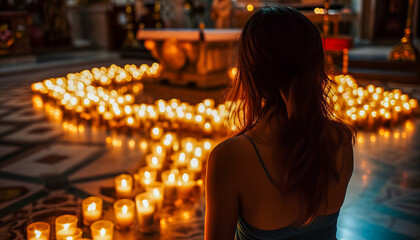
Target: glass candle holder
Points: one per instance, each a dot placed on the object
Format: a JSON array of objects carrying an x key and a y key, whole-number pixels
[
  {"x": 170, "y": 180},
  {"x": 123, "y": 186},
  {"x": 65, "y": 225},
  {"x": 91, "y": 209},
  {"x": 180, "y": 159},
  {"x": 77, "y": 235},
  {"x": 168, "y": 140},
  {"x": 185, "y": 185},
  {"x": 158, "y": 150},
  {"x": 156, "y": 133},
  {"x": 146, "y": 209},
  {"x": 146, "y": 176},
  {"x": 195, "y": 165},
  {"x": 157, "y": 190},
  {"x": 38, "y": 231},
  {"x": 124, "y": 213},
  {"x": 154, "y": 162},
  {"x": 188, "y": 144},
  {"x": 102, "y": 230}
]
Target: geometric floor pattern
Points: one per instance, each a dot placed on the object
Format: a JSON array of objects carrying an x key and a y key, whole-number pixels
[{"x": 47, "y": 168}]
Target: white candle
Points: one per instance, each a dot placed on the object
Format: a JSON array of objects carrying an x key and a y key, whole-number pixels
[
  {"x": 77, "y": 234},
  {"x": 186, "y": 184},
  {"x": 154, "y": 162},
  {"x": 147, "y": 176},
  {"x": 65, "y": 225},
  {"x": 146, "y": 212},
  {"x": 123, "y": 185},
  {"x": 124, "y": 213},
  {"x": 102, "y": 230},
  {"x": 91, "y": 209},
  {"x": 38, "y": 231},
  {"x": 170, "y": 178},
  {"x": 157, "y": 190}
]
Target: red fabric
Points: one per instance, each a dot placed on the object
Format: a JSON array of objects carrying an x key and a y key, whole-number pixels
[{"x": 337, "y": 43}]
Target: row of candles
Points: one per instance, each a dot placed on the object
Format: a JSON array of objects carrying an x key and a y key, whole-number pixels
[
  {"x": 172, "y": 173},
  {"x": 370, "y": 106},
  {"x": 86, "y": 94}
]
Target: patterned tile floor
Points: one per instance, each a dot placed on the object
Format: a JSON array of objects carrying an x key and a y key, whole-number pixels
[{"x": 46, "y": 168}]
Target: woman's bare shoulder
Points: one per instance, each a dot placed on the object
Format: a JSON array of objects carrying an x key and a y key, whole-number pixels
[{"x": 229, "y": 152}]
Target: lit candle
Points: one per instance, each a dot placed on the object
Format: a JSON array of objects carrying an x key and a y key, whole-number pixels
[
  {"x": 186, "y": 185},
  {"x": 65, "y": 225},
  {"x": 170, "y": 178},
  {"x": 147, "y": 176},
  {"x": 188, "y": 144},
  {"x": 207, "y": 145},
  {"x": 195, "y": 165},
  {"x": 123, "y": 185},
  {"x": 38, "y": 231},
  {"x": 159, "y": 150},
  {"x": 154, "y": 162},
  {"x": 167, "y": 140},
  {"x": 124, "y": 213},
  {"x": 77, "y": 234},
  {"x": 180, "y": 159},
  {"x": 157, "y": 190},
  {"x": 146, "y": 212},
  {"x": 91, "y": 209},
  {"x": 156, "y": 133},
  {"x": 102, "y": 230}
]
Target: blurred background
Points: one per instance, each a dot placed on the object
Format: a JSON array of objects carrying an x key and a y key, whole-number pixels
[{"x": 32, "y": 30}]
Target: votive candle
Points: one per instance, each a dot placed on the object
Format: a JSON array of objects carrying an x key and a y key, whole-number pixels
[
  {"x": 77, "y": 235},
  {"x": 102, "y": 230},
  {"x": 123, "y": 185},
  {"x": 65, "y": 225},
  {"x": 157, "y": 190},
  {"x": 147, "y": 176},
  {"x": 154, "y": 162},
  {"x": 146, "y": 208},
  {"x": 91, "y": 209},
  {"x": 124, "y": 213},
  {"x": 38, "y": 231},
  {"x": 169, "y": 179}
]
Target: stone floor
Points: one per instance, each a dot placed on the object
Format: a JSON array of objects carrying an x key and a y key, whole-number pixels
[{"x": 46, "y": 168}]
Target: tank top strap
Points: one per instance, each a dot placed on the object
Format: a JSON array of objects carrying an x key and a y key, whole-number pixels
[{"x": 260, "y": 159}]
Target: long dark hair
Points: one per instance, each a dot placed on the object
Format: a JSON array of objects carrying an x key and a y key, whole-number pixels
[{"x": 281, "y": 75}]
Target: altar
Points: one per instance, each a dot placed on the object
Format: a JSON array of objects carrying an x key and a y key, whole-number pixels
[{"x": 193, "y": 57}]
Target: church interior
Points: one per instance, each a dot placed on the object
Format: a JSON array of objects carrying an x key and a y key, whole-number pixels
[{"x": 109, "y": 110}]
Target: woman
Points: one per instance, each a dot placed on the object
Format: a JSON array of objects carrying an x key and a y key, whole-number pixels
[{"x": 285, "y": 175}]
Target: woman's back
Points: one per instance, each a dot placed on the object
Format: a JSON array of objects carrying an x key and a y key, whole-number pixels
[
  {"x": 280, "y": 100},
  {"x": 279, "y": 209}
]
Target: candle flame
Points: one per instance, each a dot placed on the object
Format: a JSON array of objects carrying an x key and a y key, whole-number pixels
[
  {"x": 207, "y": 145},
  {"x": 154, "y": 161},
  {"x": 147, "y": 174},
  {"x": 91, "y": 207},
  {"x": 37, "y": 234},
  {"x": 102, "y": 231},
  {"x": 188, "y": 147},
  {"x": 159, "y": 149},
  {"x": 156, "y": 131},
  {"x": 145, "y": 203},
  {"x": 66, "y": 226},
  {"x": 69, "y": 238},
  {"x": 156, "y": 193},
  {"x": 194, "y": 162},
  {"x": 123, "y": 183},
  {"x": 124, "y": 209},
  {"x": 181, "y": 157},
  {"x": 185, "y": 177},
  {"x": 171, "y": 177}
]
